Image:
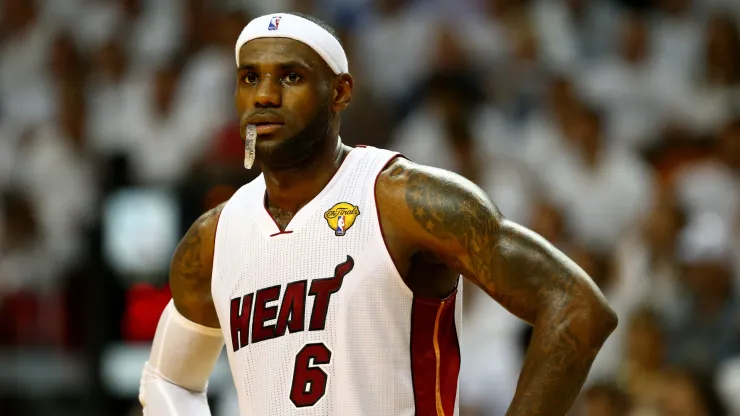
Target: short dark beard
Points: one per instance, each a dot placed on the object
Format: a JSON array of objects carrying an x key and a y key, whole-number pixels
[{"x": 300, "y": 149}]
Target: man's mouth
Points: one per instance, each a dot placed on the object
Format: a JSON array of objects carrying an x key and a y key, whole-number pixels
[{"x": 267, "y": 127}]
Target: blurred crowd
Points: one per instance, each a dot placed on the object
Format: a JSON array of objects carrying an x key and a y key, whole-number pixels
[{"x": 612, "y": 128}]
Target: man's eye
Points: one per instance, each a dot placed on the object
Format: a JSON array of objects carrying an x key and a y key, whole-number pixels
[
  {"x": 292, "y": 77},
  {"x": 250, "y": 78}
]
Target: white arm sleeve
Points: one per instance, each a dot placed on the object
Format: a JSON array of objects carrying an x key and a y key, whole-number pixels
[{"x": 175, "y": 378}]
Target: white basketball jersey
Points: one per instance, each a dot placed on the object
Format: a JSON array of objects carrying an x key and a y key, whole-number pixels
[{"x": 316, "y": 318}]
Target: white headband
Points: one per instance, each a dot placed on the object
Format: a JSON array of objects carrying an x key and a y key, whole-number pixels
[{"x": 300, "y": 29}]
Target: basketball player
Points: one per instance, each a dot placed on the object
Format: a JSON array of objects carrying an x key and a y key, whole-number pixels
[{"x": 360, "y": 317}]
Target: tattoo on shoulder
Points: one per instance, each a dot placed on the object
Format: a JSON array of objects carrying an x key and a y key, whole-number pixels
[
  {"x": 190, "y": 270},
  {"x": 189, "y": 262},
  {"x": 187, "y": 256},
  {"x": 449, "y": 209}
]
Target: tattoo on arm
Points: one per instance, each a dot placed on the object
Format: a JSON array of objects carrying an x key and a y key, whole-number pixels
[
  {"x": 190, "y": 271},
  {"x": 524, "y": 273}
]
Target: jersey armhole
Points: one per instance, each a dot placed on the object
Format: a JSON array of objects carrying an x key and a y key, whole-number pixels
[
  {"x": 436, "y": 301},
  {"x": 385, "y": 166}
]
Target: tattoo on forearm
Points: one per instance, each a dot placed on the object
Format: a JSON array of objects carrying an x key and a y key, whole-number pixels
[{"x": 553, "y": 373}]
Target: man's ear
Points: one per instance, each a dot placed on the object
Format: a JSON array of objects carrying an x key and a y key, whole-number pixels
[{"x": 343, "y": 91}]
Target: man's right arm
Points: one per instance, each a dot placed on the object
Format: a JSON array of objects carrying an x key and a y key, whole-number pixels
[
  {"x": 188, "y": 341},
  {"x": 190, "y": 271}
]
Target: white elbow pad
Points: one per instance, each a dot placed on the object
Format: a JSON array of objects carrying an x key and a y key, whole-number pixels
[{"x": 183, "y": 356}]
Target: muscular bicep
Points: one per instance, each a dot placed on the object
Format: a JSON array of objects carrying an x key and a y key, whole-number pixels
[
  {"x": 191, "y": 268},
  {"x": 453, "y": 219}
]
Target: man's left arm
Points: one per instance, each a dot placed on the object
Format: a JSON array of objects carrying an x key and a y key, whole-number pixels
[{"x": 456, "y": 221}]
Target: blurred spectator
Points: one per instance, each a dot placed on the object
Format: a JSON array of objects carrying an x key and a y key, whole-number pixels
[
  {"x": 687, "y": 394},
  {"x": 647, "y": 258},
  {"x": 55, "y": 171},
  {"x": 574, "y": 31},
  {"x": 713, "y": 185},
  {"x": 605, "y": 400},
  {"x": 547, "y": 221},
  {"x": 26, "y": 41},
  {"x": 728, "y": 148},
  {"x": 493, "y": 356},
  {"x": 543, "y": 138},
  {"x": 715, "y": 99},
  {"x": 438, "y": 132},
  {"x": 170, "y": 131},
  {"x": 722, "y": 43},
  {"x": 676, "y": 34},
  {"x": 368, "y": 120},
  {"x": 395, "y": 32},
  {"x": 603, "y": 190},
  {"x": 113, "y": 91},
  {"x": 31, "y": 309},
  {"x": 730, "y": 7},
  {"x": 643, "y": 272},
  {"x": 209, "y": 73},
  {"x": 485, "y": 33},
  {"x": 708, "y": 330},
  {"x": 520, "y": 78},
  {"x": 630, "y": 86},
  {"x": 21, "y": 245},
  {"x": 10, "y": 138},
  {"x": 153, "y": 29},
  {"x": 644, "y": 357},
  {"x": 65, "y": 63}
]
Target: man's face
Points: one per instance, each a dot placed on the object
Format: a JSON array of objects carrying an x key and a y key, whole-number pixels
[{"x": 287, "y": 90}]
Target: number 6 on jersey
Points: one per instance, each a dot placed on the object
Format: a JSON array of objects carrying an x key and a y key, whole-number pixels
[{"x": 309, "y": 380}]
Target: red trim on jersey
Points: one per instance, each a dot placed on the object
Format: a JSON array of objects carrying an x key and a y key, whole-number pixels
[
  {"x": 434, "y": 346},
  {"x": 435, "y": 355},
  {"x": 281, "y": 232}
]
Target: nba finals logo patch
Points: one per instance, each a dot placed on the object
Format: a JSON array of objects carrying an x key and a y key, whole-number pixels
[
  {"x": 274, "y": 23},
  {"x": 341, "y": 216}
]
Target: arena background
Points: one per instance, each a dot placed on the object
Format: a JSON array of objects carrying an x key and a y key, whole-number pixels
[{"x": 610, "y": 127}]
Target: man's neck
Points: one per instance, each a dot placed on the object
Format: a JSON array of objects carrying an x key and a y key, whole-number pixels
[{"x": 289, "y": 189}]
